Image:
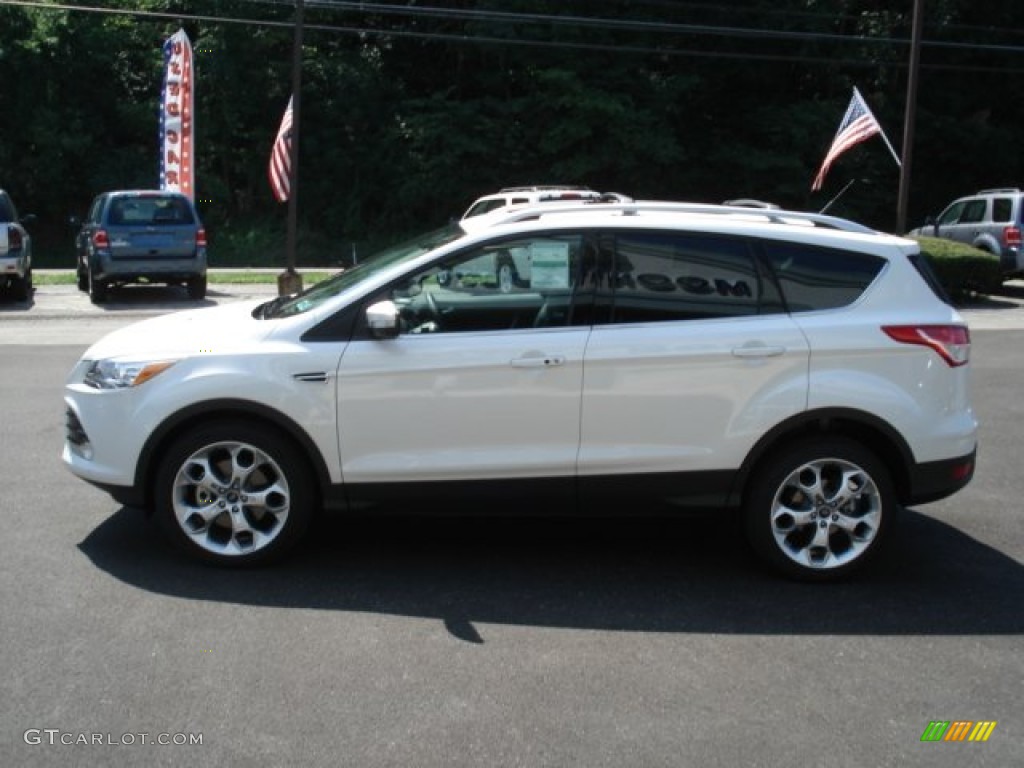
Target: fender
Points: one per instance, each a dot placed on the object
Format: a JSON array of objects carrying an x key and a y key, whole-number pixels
[
  {"x": 177, "y": 422},
  {"x": 877, "y": 435}
]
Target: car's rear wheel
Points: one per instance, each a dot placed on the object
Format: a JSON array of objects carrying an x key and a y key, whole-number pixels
[
  {"x": 22, "y": 287},
  {"x": 196, "y": 287},
  {"x": 820, "y": 509},
  {"x": 97, "y": 289},
  {"x": 234, "y": 493}
]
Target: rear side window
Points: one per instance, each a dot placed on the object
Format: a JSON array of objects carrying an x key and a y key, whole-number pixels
[
  {"x": 666, "y": 276},
  {"x": 924, "y": 268},
  {"x": 6, "y": 209},
  {"x": 149, "y": 210},
  {"x": 813, "y": 278}
]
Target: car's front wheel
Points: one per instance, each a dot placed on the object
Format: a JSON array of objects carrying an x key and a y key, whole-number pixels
[
  {"x": 820, "y": 508},
  {"x": 234, "y": 493},
  {"x": 506, "y": 276}
]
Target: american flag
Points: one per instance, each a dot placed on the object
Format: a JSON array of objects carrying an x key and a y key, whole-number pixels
[
  {"x": 281, "y": 158},
  {"x": 858, "y": 124}
]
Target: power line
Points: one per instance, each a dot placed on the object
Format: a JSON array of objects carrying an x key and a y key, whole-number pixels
[
  {"x": 501, "y": 41},
  {"x": 606, "y": 23}
]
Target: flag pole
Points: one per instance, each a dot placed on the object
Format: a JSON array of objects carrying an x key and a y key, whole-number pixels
[
  {"x": 290, "y": 281},
  {"x": 880, "y": 131},
  {"x": 903, "y": 199}
]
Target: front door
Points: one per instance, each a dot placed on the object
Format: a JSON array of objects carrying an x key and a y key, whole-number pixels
[{"x": 483, "y": 384}]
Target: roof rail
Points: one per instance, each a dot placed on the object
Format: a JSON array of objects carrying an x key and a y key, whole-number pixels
[
  {"x": 771, "y": 215},
  {"x": 545, "y": 188},
  {"x": 999, "y": 191}
]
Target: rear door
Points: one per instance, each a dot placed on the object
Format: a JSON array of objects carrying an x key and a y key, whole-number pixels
[{"x": 697, "y": 360}]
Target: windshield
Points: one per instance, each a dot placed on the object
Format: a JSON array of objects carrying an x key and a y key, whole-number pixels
[{"x": 315, "y": 295}]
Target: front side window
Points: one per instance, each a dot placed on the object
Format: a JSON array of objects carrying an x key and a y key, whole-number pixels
[
  {"x": 814, "y": 278},
  {"x": 667, "y": 276},
  {"x": 974, "y": 212},
  {"x": 528, "y": 282},
  {"x": 952, "y": 214}
]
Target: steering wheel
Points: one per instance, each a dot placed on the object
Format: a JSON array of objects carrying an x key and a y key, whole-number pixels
[{"x": 432, "y": 310}]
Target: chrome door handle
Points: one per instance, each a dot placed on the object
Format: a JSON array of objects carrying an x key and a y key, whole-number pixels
[
  {"x": 540, "y": 361},
  {"x": 757, "y": 351}
]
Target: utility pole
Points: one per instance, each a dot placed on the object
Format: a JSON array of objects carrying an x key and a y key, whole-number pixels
[
  {"x": 290, "y": 281},
  {"x": 909, "y": 115}
]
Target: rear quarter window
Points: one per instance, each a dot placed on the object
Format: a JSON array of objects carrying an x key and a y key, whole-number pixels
[
  {"x": 814, "y": 278},
  {"x": 1002, "y": 210}
]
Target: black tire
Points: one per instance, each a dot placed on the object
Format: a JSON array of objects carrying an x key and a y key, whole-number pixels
[
  {"x": 234, "y": 493},
  {"x": 21, "y": 287},
  {"x": 97, "y": 289},
  {"x": 196, "y": 287},
  {"x": 823, "y": 535},
  {"x": 505, "y": 277}
]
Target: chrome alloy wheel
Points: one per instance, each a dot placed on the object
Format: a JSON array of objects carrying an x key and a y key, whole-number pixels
[
  {"x": 826, "y": 513},
  {"x": 231, "y": 498}
]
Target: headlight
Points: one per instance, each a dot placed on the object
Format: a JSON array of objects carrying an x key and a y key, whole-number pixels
[{"x": 120, "y": 374}]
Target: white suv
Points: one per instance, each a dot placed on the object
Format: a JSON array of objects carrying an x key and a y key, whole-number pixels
[
  {"x": 801, "y": 369},
  {"x": 517, "y": 197}
]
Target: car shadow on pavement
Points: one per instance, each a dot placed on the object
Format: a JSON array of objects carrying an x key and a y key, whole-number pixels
[
  {"x": 650, "y": 575},
  {"x": 151, "y": 296}
]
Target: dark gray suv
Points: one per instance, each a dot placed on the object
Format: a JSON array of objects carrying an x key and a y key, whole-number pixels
[
  {"x": 991, "y": 220},
  {"x": 136, "y": 236}
]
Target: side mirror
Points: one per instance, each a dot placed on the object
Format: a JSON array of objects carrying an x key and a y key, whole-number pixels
[
  {"x": 382, "y": 320},
  {"x": 929, "y": 221}
]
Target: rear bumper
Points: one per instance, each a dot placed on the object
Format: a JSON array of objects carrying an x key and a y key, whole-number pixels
[
  {"x": 157, "y": 269},
  {"x": 12, "y": 266},
  {"x": 938, "y": 479}
]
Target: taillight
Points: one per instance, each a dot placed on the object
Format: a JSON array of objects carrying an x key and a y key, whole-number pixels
[
  {"x": 200, "y": 238},
  {"x": 952, "y": 342},
  {"x": 1011, "y": 236},
  {"x": 100, "y": 239},
  {"x": 14, "y": 240}
]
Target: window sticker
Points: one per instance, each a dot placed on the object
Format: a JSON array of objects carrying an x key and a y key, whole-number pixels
[{"x": 549, "y": 265}]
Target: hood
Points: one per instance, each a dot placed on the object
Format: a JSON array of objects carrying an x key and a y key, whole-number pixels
[{"x": 185, "y": 333}]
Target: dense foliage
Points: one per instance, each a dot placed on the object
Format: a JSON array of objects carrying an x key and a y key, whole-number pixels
[
  {"x": 963, "y": 271},
  {"x": 411, "y": 110}
]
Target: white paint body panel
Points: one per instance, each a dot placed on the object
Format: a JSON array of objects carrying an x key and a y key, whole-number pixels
[{"x": 461, "y": 406}]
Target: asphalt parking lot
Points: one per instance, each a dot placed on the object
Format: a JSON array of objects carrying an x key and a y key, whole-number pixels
[{"x": 442, "y": 642}]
